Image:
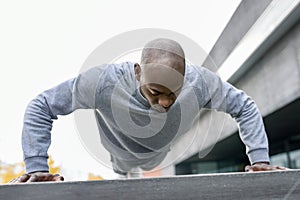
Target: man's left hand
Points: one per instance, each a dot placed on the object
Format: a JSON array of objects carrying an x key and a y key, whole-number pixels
[{"x": 263, "y": 167}]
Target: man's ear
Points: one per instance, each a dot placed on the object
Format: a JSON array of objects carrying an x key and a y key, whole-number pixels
[{"x": 137, "y": 71}]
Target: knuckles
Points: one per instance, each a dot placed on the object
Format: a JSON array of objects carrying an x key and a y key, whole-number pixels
[{"x": 36, "y": 177}]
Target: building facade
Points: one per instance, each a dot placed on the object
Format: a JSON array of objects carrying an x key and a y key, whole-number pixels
[{"x": 258, "y": 52}]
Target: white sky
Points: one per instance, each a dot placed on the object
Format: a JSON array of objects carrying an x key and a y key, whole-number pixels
[{"x": 43, "y": 43}]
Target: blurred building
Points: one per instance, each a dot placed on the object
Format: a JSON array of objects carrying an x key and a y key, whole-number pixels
[{"x": 258, "y": 52}]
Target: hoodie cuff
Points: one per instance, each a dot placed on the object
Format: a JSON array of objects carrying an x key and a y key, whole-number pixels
[
  {"x": 258, "y": 155},
  {"x": 36, "y": 164}
]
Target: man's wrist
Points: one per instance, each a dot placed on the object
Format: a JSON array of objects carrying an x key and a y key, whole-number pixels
[
  {"x": 36, "y": 164},
  {"x": 265, "y": 162},
  {"x": 258, "y": 155},
  {"x": 38, "y": 172}
]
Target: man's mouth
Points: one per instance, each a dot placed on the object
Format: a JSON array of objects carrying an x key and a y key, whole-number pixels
[{"x": 159, "y": 108}]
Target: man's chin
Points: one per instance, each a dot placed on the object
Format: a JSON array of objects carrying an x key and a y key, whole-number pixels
[{"x": 159, "y": 108}]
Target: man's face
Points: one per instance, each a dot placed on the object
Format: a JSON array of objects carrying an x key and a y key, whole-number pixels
[{"x": 161, "y": 82}]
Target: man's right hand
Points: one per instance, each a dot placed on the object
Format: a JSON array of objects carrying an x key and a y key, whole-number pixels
[{"x": 37, "y": 177}]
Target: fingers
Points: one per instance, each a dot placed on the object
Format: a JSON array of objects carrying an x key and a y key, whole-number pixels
[
  {"x": 34, "y": 178},
  {"x": 57, "y": 177},
  {"x": 281, "y": 168},
  {"x": 20, "y": 179},
  {"x": 37, "y": 177},
  {"x": 263, "y": 167},
  {"x": 248, "y": 168}
]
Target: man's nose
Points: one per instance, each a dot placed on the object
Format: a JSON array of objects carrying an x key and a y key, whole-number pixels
[{"x": 165, "y": 102}]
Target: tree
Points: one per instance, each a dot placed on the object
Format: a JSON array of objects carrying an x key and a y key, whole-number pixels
[
  {"x": 11, "y": 171},
  {"x": 92, "y": 177}
]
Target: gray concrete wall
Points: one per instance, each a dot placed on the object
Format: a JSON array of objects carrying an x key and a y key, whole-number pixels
[
  {"x": 263, "y": 185},
  {"x": 241, "y": 21},
  {"x": 274, "y": 81}
]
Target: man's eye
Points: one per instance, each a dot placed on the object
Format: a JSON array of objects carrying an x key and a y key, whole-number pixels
[{"x": 154, "y": 93}]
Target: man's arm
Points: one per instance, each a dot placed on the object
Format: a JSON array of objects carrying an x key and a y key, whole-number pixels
[
  {"x": 225, "y": 97},
  {"x": 76, "y": 93}
]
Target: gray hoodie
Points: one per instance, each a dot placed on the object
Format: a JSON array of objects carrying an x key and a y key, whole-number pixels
[{"x": 135, "y": 134}]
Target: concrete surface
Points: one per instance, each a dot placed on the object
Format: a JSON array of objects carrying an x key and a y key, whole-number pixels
[{"x": 260, "y": 185}]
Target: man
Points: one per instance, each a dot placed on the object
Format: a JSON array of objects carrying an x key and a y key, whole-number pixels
[{"x": 140, "y": 110}]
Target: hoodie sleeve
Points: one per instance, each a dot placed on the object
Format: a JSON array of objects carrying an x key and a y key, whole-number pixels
[
  {"x": 76, "y": 93},
  {"x": 222, "y": 96}
]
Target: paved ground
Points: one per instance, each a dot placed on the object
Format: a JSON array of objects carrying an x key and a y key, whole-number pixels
[{"x": 263, "y": 185}]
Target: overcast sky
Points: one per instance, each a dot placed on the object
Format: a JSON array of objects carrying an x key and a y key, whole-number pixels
[{"x": 43, "y": 43}]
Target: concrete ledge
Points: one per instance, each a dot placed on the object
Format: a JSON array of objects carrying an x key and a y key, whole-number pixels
[{"x": 259, "y": 185}]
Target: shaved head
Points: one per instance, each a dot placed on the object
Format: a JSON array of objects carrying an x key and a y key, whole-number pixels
[{"x": 162, "y": 48}]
